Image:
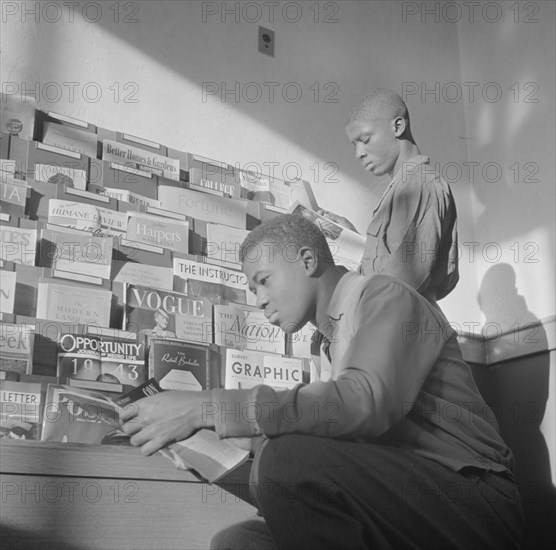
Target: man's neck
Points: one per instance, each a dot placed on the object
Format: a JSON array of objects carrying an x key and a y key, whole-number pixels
[
  {"x": 328, "y": 282},
  {"x": 408, "y": 150}
]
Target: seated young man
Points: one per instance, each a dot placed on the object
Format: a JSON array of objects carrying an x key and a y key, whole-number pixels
[{"x": 396, "y": 450}]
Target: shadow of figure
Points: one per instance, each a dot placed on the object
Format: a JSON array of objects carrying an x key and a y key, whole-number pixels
[{"x": 517, "y": 390}]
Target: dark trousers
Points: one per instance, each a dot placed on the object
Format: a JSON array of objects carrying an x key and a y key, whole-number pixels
[{"x": 319, "y": 493}]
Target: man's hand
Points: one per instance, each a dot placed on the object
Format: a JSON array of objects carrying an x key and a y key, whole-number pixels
[
  {"x": 338, "y": 219},
  {"x": 155, "y": 422}
]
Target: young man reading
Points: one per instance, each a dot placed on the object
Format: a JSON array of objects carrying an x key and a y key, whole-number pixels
[
  {"x": 396, "y": 450},
  {"x": 412, "y": 233}
]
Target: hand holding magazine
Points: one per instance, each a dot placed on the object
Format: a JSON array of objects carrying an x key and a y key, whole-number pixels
[{"x": 204, "y": 452}]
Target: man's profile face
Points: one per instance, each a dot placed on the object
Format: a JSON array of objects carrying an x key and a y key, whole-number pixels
[
  {"x": 284, "y": 291},
  {"x": 376, "y": 145}
]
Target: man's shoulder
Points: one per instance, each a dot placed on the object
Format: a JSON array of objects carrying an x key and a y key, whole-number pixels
[
  {"x": 357, "y": 284},
  {"x": 421, "y": 181},
  {"x": 419, "y": 170}
]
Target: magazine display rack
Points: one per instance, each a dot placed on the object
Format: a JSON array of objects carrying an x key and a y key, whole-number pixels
[{"x": 55, "y": 171}]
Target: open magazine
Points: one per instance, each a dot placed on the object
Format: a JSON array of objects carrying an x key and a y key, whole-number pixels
[
  {"x": 204, "y": 452},
  {"x": 347, "y": 246}
]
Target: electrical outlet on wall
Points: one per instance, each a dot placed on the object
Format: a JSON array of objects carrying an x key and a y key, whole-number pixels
[{"x": 266, "y": 41}]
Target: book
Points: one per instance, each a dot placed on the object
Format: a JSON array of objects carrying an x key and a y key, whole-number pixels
[
  {"x": 45, "y": 345},
  {"x": 141, "y": 159},
  {"x": 73, "y": 303},
  {"x": 95, "y": 385},
  {"x": 13, "y": 196},
  {"x": 5, "y": 148},
  {"x": 88, "y": 196},
  {"x": 188, "y": 161},
  {"x": 204, "y": 452},
  {"x": 158, "y": 231},
  {"x": 203, "y": 206},
  {"x": 208, "y": 455},
  {"x": 153, "y": 312},
  {"x": 27, "y": 286},
  {"x": 302, "y": 192},
  {"x": 51, "y": 164},
  {"x": 17, "y": 115},
  {"x": 76, "y": 252},
  {"x": 299, "y": 343},
  {"x": 246, "y": 328},
  {"x": 179, "y": 365},
  {"x": 16, "y": 347},
  {"x": 260, "y": 187},
  {"x": 7, "y": 168},
  {"x": 246, "y": 369},
  {"x": 113, "y": 359},
  {"x": 40, "y": 193},
  {"x": 70, "y": 138},
  {"x": 120, "y": 176},
  {"x": 275, "y": 191},
  {"x": 223, "y": 243},
  {"x": 125, "y": 195},
  {"x": 123, "y": 360},
  {"x": 211, "y": 177},
  {"x": 141, "y": 142},
  {"x": 20, "y": 409},
  {"x": 100, "y": 221},
  {"x": 131, "y": 251},
  {"x": 147, "y": 388},
  {"x": 143, "y": 274},
  {"x": 347, "y": 246},
  {"x": 77, "y": 415},
  {"x": 18, "y": 244},
  {"x": 7, "y": 291},
  {"x": 64, "y": 120},
  {"x": 218, "y": 284},
  {"x": 59, "y": 174},
  {"x": 18, "y": 151}
]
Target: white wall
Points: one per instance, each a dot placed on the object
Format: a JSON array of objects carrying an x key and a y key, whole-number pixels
[
  {"x": 512, "y": 129},
  {"x": 171, "y": 53}
]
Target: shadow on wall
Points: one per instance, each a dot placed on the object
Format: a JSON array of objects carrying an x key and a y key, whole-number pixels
[
  {"x": 12, "y": 538},
  {"x": 517, "y": 391}
]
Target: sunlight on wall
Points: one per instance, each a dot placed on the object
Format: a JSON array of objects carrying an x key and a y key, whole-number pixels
[
  {"x": 486, "y": 125},
  {"x": 517, "y": 111}
]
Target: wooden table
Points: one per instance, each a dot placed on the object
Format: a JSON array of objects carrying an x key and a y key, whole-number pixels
[{"x": 70, "y": 496}]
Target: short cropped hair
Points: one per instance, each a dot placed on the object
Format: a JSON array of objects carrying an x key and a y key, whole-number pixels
[
  {"x": 288, "y": 230},
  {"x": 381, "y": 103}
]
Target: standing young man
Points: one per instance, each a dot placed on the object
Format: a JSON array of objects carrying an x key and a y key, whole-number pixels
[
  {"x": 396, "y": 450},
  {"x": 412, "y": 234}
]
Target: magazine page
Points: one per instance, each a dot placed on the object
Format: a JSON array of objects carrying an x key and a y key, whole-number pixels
[
  {"x": 207, "y": 454},
  {"x": 204, "y": 452},
  {"x": 347, "y": 246}
]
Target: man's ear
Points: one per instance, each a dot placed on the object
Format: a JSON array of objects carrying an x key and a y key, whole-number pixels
[
  {"x": 399, "y": 126},
  {"x": 309, "y": 258}
]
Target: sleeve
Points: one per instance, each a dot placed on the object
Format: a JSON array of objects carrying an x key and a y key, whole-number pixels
[
  {"x": 413, "y": 235},
  {"x": 382, "y": 370}
]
